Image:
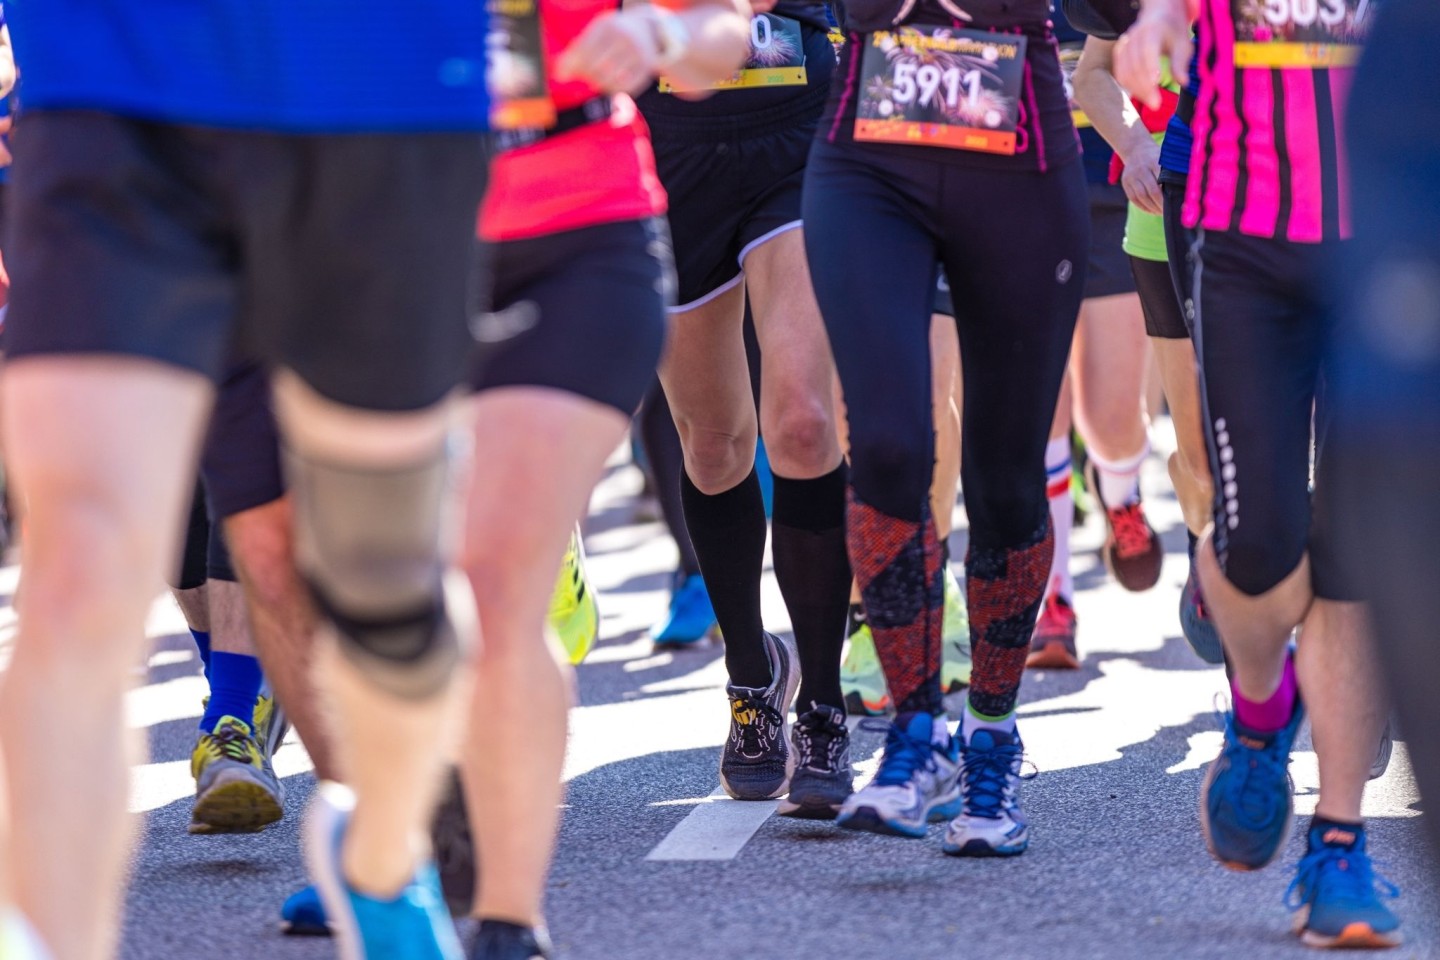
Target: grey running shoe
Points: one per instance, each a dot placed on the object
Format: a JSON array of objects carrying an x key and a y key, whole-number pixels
[
  {"x": 756, "y": 761},
  {"x": 236, "y": 791},
  {"x": 822, "y": 780}
]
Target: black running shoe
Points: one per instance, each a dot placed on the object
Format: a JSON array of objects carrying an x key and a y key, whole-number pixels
[
  {"x": 756, "y": 761},
  {"x": 822, "y": 780},
  {"x": 454, "y": 847},
  {"x": 499, "y": 940}
]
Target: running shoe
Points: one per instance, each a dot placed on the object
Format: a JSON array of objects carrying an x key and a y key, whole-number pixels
[
  {"x": 236, "y": 791},
  {"x": 574, "y": 612},
  {"x": 991, "y": 823},
  {"x": 822, "y": 780},
  {"x": 1338, "y": 899},
  {"x": 1052, "y": 645},
  {"x": 1247, "y": 803},
  {"x": 412, "y": 926},
  {"x": 271, "y": 724},
  {"x": 1132, "y": 550},
  {"x": 756, "y": 761},
  {"x": 917, "y": 783},
  {"x": 1195, "y": 622},
  {"x": 497, "y": 940},
  {"x": 956, "y": 666},
  {"x": 861, "y": 677},
  {"x": 454, "y": 847},
  {"x": 1381, "y": 763},
  {"x": 303, "y": 915},
  {"x": 691, "y": 615}
]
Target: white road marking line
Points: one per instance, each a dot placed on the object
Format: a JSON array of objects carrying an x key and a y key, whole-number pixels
[{"x": 718, "y": 828}]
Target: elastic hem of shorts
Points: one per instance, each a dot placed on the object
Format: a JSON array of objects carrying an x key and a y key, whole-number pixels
[
  {"x": 749, "y": 248},
  {"x": 1174, "y": 177},
  {"x": 750, "y": 125},
  {"x": 725, "y": 287}
]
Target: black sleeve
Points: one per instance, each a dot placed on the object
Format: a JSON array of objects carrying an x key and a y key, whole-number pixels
[{"x": 1101, "y": 19}]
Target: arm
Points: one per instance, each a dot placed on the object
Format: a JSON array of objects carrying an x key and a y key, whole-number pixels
[
  {"x": 1163, "y": 29},
  {"x": 696, "y": 46},
  {"x": 1112, "y": 113},
  {"x": 7, "y": 63}
]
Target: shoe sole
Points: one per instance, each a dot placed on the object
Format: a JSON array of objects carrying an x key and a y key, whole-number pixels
[
  {"x": 1356, "y": 936},
  {"x": 809, "y": 809},
  {"x": 982, "y": 849},
  {"x": 304, "y": 929},
  {"x": 1236, "y": 865},
  {"x": 235, "y": 806},
  {"x": 1145, "y": 581},
  {"x": 320, "y": 837},
  {"x": 867, "y": 820},
  {"x": 454, "y": 846},
  {"x": 1052, "y": 656}
]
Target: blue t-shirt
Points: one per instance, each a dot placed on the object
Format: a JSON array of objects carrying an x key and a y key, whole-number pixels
[
  {"x": 297, "y": 66},
  {"x": 1175, "y": 148}
]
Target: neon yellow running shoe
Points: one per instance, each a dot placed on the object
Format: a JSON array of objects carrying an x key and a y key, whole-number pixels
[
  {"x": 574, "y": 611},
  {"x": 235, "y": 789},
  {"x": 956, "y": 664},
  {"x": 861, "y": 678}
]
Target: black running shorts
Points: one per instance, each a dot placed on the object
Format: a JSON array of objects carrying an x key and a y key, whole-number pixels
[
  {"x": 343, "y": 258},
  {"x": 241, "y": 458},
  {"x": 581, "y": 311},
  {"x": 1109, "y": 273}
]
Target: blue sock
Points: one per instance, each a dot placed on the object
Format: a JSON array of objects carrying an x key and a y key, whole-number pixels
[
  {"x": 202, "y": 643},
  {"x": 235, "y": 681}
]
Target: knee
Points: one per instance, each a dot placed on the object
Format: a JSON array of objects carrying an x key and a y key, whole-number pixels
[
  {"x": 1256, "y": 556},
  {"x": 1004, "y": 515},
  {"x": 717, "y": 460},
  {"x": 802, "y": 438}
]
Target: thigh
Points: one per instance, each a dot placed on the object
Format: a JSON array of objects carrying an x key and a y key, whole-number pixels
[
  {"x": 1259, "y": 354},
  {"x": 1017, "y": 290},
  {"x": 358, "y": 250},
  {"x": 581, "y": 312},
  {"x": 126, "y": 243}
]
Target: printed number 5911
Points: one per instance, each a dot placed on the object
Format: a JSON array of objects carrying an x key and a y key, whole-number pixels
[{"x": 925, "y": 80}]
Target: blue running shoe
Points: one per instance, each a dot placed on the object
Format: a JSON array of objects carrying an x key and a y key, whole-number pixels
[
  {"x": 413, "y": 926},
  {"x": 991, "y": 823},
  {"x": 1336, "y": 897},
  {"x": 1247, "y": 803},
  {"x": 691, "y": 614},
  {"x": 303, "y": 915},
  {"x": 918, "y": 781},
  {"x": 1195, "y": 623}
]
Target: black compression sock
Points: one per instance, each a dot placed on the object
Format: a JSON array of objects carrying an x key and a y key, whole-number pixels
[
  {"x": 728, "y": 531},
  {"x": 1334, "y": 833},
  {"x": 813, "y": 572},
  {"x": 667, "y": 462}
]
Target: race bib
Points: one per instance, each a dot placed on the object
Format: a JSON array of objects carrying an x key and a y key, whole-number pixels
[
  {"x": 1069, "y": 60},
  {"x": 777, "y": 57},
  {"x": 519, "y": 91},
  {"x": 942, "y": 87},
  {"x": 1309, "y": 34}
]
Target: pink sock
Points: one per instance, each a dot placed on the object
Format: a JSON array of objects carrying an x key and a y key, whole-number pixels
[{"x": 1273, "y": 714}]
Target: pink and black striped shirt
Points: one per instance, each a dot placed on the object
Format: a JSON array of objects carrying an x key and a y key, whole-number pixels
[{"x": 1269, "y": 155}]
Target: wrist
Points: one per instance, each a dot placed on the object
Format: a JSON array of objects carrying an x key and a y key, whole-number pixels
[{"x": 670, "y": 35}]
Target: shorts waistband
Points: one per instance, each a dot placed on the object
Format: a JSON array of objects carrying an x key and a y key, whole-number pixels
[{"x": 804, "y": 108}]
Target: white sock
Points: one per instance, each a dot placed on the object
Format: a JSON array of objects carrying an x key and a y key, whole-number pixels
[
  {"x": 1062, "y": 515},
  {"x": 940, "y": 731},
  {"x": 970, "y": 722},
  {"x": 1120, "y": 479}
]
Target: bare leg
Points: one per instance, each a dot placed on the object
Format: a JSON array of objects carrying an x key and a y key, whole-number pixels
[
  {"x": 262, "y": 548},
  {"x": 194, "y": 605},
  {"x": 229, "y": 619},
  {"x": 391, "y": 748},
  {"x": 945, "y": 382},
  {"x": 1338, "y": 671},
  {"x": 102, "y": 449},
  {"x": 1108, "y": 371},
  {"x": 519, "y": 520}
]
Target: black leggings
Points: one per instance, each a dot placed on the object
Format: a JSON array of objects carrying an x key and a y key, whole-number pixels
[{"x": 1014, "y": 247}]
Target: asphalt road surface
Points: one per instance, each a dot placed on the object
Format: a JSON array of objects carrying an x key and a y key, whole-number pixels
[{"x": 653, "y": 864}]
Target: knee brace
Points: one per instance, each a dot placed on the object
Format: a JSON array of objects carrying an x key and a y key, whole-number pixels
[{"x": 371, "y": 546}]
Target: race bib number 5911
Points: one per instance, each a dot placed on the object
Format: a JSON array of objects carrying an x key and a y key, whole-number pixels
[
  {"x": 942, "y": 87},
  {"x": 1299, "y": 33}
]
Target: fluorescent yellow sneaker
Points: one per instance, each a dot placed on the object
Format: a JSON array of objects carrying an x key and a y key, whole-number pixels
[
  {"x": 574, "y": 612},
  {"x": 861, "y": 678},
  {"x": 956, "y": 666},
  {"x": 235, "y": 789},
  {"x": 271, "y": 724}
]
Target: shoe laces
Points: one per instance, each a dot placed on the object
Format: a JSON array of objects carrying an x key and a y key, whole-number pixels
[
  {"x": 987, "y": 776},
  {"x": 1254, "y": 773},
  {"x": 756, "y": 725},
  {"x": 819, "y": 739},
  {"x": 230, "y": 741},
  {"x": 904, "y": 755},
  {"x": 1132, "y": 531},
  {"x": 1336, "y": 873}
]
